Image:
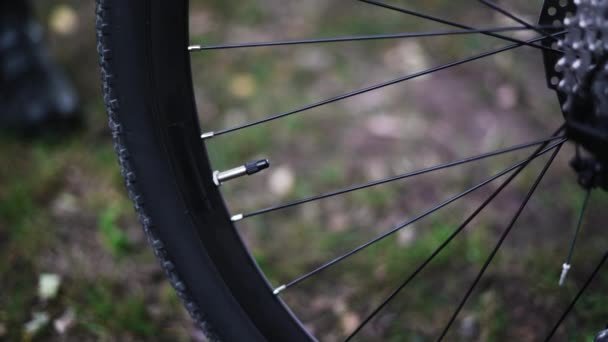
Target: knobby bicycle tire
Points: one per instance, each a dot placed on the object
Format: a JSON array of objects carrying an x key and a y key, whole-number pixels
[{"x": 147, "y": 89}]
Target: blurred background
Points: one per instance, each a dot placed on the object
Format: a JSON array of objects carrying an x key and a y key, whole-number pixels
[{"x": 75, "y": 265}]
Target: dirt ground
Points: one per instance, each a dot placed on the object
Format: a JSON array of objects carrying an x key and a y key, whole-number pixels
[{"x": 75, "y": 265}]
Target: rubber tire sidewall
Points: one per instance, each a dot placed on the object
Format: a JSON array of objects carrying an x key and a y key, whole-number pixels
[{"x": 148, "y": 92}]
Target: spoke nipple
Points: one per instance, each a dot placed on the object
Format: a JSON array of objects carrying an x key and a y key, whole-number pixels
[
  {"x": 565, "y": 269},
  {"x": 251, "y": 168},
  {"x": 194, "y": 47},
  {"x": 207, "y": 135},
  {"x": 236, "y": 217},
  {"x": 279, "y": 289},
  {"x": 216, "y": 178}
]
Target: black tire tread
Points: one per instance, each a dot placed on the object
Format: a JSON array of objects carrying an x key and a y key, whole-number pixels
[{"x": 111, "y": 99}]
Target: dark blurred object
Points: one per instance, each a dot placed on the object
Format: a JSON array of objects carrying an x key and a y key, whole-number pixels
[{"x": 35, "y": 95}]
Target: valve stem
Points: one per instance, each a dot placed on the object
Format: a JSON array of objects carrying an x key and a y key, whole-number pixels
[{"x": 220, "y": 177}]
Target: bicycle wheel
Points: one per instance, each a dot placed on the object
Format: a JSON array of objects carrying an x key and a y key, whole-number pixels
[{"x": 148, "y": 90}]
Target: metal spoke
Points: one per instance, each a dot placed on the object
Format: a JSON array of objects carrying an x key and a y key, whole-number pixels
[
  {"x": 362, "y": 38},
  {"x": 395, "y": 178},
  {"x": 500, "y": 242},
  {"x": 441, "y": 247},
  {"x": 579, "y": 223},
  {"x": 578, "y": 296},
  {"x": 518, "y": 19},
  {"x": 568, "y": 263},
  {"x": 455, "y": 24},
  {"x": 209, "y": 135},
  {"x": 409, "y": 222}
]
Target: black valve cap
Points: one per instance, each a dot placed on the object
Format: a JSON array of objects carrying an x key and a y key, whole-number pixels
[{"x": 257, "y": 166}]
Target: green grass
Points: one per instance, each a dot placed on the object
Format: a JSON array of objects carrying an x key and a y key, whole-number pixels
[
  {"x": 100, "y": 314},
  {"x": 492, "y": 317},
  {"x": 376, "y": 198},
  {"x": 120, "y": 297},
  {"x": 114, "y": 237},
  {"x": 29, "y": 229}
]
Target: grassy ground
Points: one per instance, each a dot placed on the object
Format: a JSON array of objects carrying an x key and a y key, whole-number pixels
[{"x": 63, "y": 210}]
